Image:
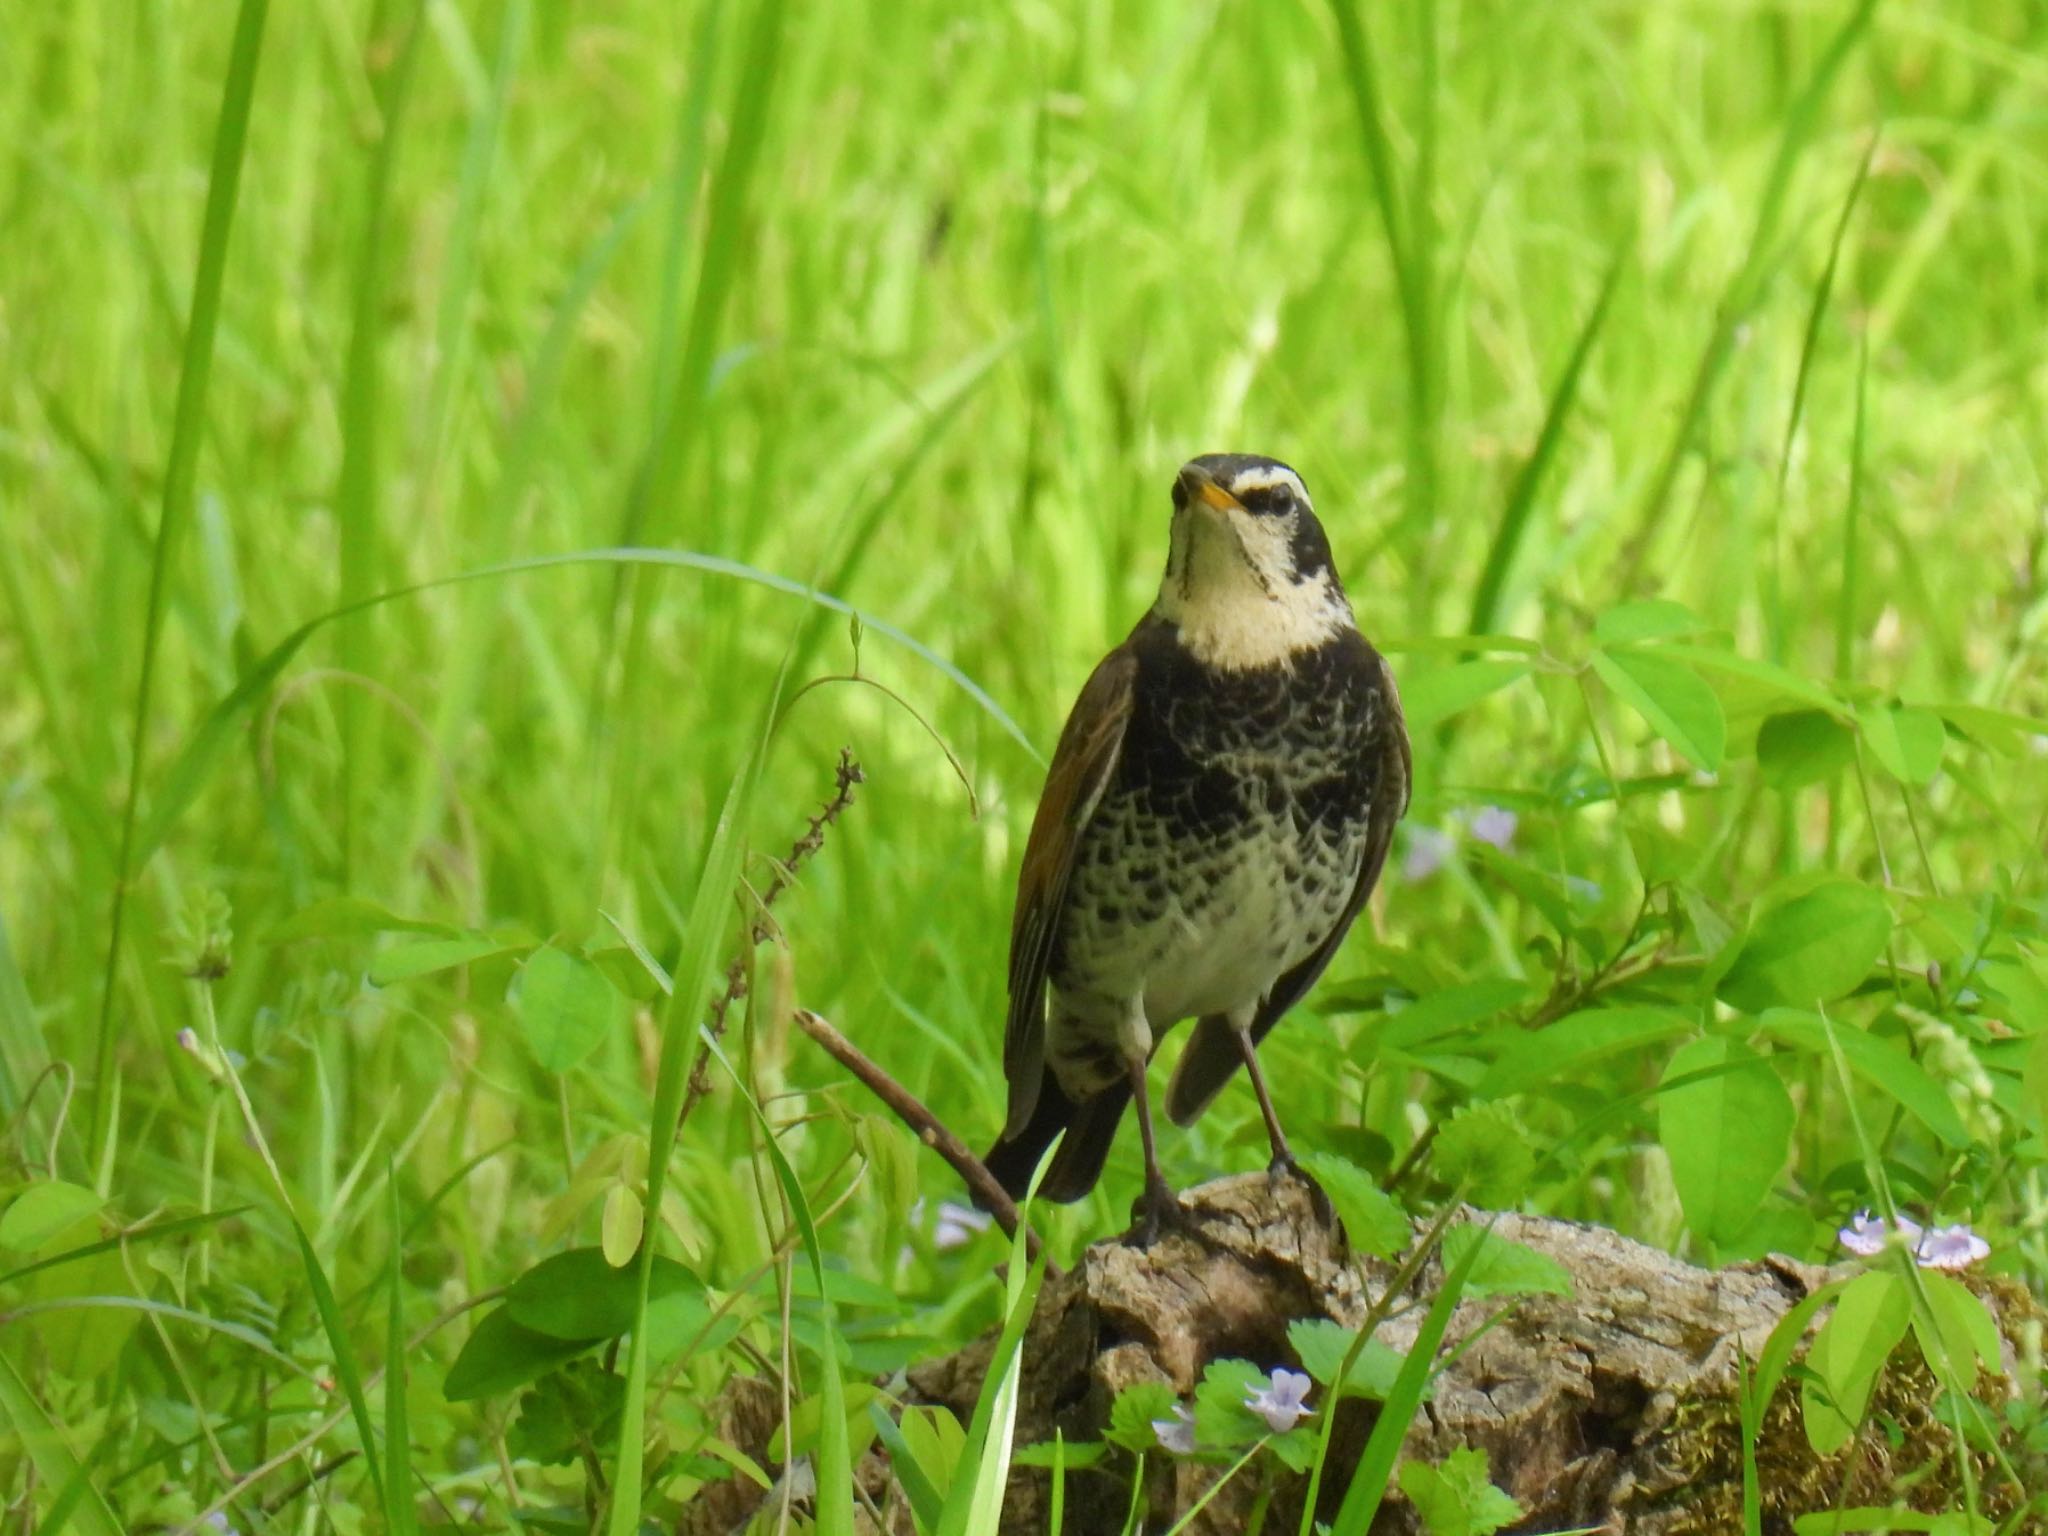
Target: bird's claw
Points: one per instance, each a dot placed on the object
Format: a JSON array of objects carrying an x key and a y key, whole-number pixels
[
  {"x": 1284, "y": 1167},
  {"x": 1156, "y": 1212}
]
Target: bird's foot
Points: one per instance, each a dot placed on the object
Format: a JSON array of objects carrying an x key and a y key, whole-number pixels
[
  {"x": 1284, "y": 1167},
  {"x": 1155, "y": 1213}
]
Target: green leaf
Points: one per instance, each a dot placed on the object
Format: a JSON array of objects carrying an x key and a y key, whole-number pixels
[
  {"x": 1131, "y": 1415},
  {"x": 1847, "y": 1355},
  {"x": 1870, "y": 1518},
  {"x": 1428, "y": 697},
  {"x": 1486, "y": 1149},
  {"x": 2034, "y": 1080},
  {"x": 34, "y": 1432},
  {"x": 1957, "y": 1333},
  {"x": 1656, "y": 619},
  {"x": 566, "y": 1005},
  {"x": 1813, "y": 948},
  {"x": 1456, "y": 1498},
  {"x": 1678, "y": 706},
  {"x": 1888, "y": 1067},
  {"x": 1802, "y": 747},
  {"x": 1504, "y": 1268},
  {"x": 568, "y": 1413},
  {"x": 1374, "y": 1222},
  {"x": 1222, "y": 1421},
  {"x": 1764, "y": 674},
  {"x": 350, "y": 917},
  {"x": 619, "y": 1228},
  {"x": 577, "y": 1296},
  {"x": 1560, "y": 1052},
  {"x": 1727, "y": 1134},
  {"x": 1322, "y": 1345},
  {"x": 1906, "y": 741},
  {"x": 501, "y": 1355},
  {"x": 403, "y": 962},
  {"x": 44, "y": 1212}
]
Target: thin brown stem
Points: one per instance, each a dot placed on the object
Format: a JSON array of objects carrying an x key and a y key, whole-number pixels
[{"x": 925, "y": 1125}]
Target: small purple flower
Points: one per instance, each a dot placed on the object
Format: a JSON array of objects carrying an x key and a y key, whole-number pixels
[
  {"x": 1951, "y": 1248},
  {"x": 1865, "y": 1235},
  {"x": 1283, "y": 1402},
  {"x": 1427, "y": 849},
  {"x": 188, "y": 1037},
  {"x": 1494, "y": 825},
  {"x": 1176, "y": 1434}
]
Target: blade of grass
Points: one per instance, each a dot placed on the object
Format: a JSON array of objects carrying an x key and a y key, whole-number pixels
[
  {"x": 399, "y": 1515},
  {"x": 1746, "y": 286},
  {"x": 1375, "y": 1469},
  {"x": 1808, "y": 344},
  {"x": 54, "y": 1460},
  {"x": 1852, "y": 528},
  {"x": 350, "y": 1375},
  {"x": 355, "y": 498},
  {"x": 209, "y": 741},
  {"x": 195, "y": 370},
  {"x": 1514, "y": 517}
]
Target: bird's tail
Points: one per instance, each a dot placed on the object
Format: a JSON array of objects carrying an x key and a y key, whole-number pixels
[
  {"x": 1091, "y": 1129},
  {"x": 1210, "y": 1061}
]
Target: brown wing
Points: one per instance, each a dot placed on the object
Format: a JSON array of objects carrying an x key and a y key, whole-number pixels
[
  {"x": 1389, "y": 805},
  {"x": 1081, "y": 769}
]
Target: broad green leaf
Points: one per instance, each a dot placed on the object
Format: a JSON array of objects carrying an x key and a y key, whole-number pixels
[
  {"x": 350, "y": 917},
  {"x": 44, "y": 1212},
  {"x": 1503, "y": 1268},
  {"x": 1670, "y": 696},
  {"x": 578, "y": 1296},
  {"x": 1727, "y": 1134},
  {"x": 1374, "y": 1222},
  {"x": 1656, "y": 619},
  {"x": 1997, "y": 730},
  {"x": 1456, "y": 1497},
  {"x": 1802, "y": 747},
  {"x": 1222, "y": 1419},
  {"x": 1955, "y": 1333},
  {"x": 1560, "y": 1052},
  {"x": 403, "y": 962},
  {"x": 1765, "y": 674},
  {"x": 1132, "y": 1414},
  {"x": 2035, "y": 1079},
  {"x": 619, "y": 1229},
  {"x": 1906, "y": 741},
  {"x": 1878, "y": 1061},
  {"x": 1436, "y": 695},
  {"x": 1815, "y": 947},
  {"x": 501, "y": 1355},
  {"x": 1322, "y": 1345},
  {"x": 1485, "y": 1150},
  {"x": 1847, "y": 1355},
  {"x": 566, "y": 1006}
]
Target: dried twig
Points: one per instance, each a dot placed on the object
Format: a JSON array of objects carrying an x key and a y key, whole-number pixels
[
  {"x": 927, "y": 1126},
  {"x": 760, "y": 930}
]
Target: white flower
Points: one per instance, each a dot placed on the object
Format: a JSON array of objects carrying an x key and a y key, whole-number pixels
[
  {"x": 1176, "y": 1434},
  {"x": 1427, "y": 850},
  {"x": 1494, "y": 825},
  {"x": 1864, "y": 1235},
  {"x": 1281, "y": 1403},
  {"x": 957, "y": 1225},
  {"x": 1951, "y": 1248}
]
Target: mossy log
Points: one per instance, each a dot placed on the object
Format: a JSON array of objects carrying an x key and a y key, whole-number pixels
[{"x": 1612, "y": 1409}]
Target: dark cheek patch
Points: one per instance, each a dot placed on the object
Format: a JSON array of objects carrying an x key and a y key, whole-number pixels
[{"x": 1310, "y": 548}]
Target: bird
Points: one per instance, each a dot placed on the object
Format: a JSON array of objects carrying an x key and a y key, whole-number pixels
[{"x": 1218, "y": 809}]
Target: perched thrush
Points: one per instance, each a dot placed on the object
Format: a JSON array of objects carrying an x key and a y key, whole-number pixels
[{"x": 1217, "y": 811}]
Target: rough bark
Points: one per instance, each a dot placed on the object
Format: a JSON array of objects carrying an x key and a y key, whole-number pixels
[{"x": 1612, "y": 1409}]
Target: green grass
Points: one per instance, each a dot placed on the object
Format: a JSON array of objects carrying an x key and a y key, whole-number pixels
[{"x": 918, "y": 307}]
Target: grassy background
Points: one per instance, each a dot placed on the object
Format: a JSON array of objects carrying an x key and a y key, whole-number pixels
[{"x": 922, "y": 304}]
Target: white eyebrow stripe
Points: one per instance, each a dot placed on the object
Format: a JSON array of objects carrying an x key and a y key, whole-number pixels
[{"x": 1266, "y": 479}]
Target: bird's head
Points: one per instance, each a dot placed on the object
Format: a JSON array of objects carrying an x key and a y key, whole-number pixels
[{"x": 1249, "y": 581}]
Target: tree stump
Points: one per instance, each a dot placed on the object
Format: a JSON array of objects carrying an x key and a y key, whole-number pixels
[{"x": 1614, "y": 1408}]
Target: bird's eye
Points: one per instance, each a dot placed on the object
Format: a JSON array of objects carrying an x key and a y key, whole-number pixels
[{"x": 1267, "y": 500}]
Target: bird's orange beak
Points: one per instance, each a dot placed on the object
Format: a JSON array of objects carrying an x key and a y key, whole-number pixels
[{"x": 1204, "y": 490}]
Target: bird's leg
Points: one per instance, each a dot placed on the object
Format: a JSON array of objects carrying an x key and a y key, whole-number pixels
[
  {"x": 1160, "y": 1207},
  {"x": 1283, "y": 1164}
]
